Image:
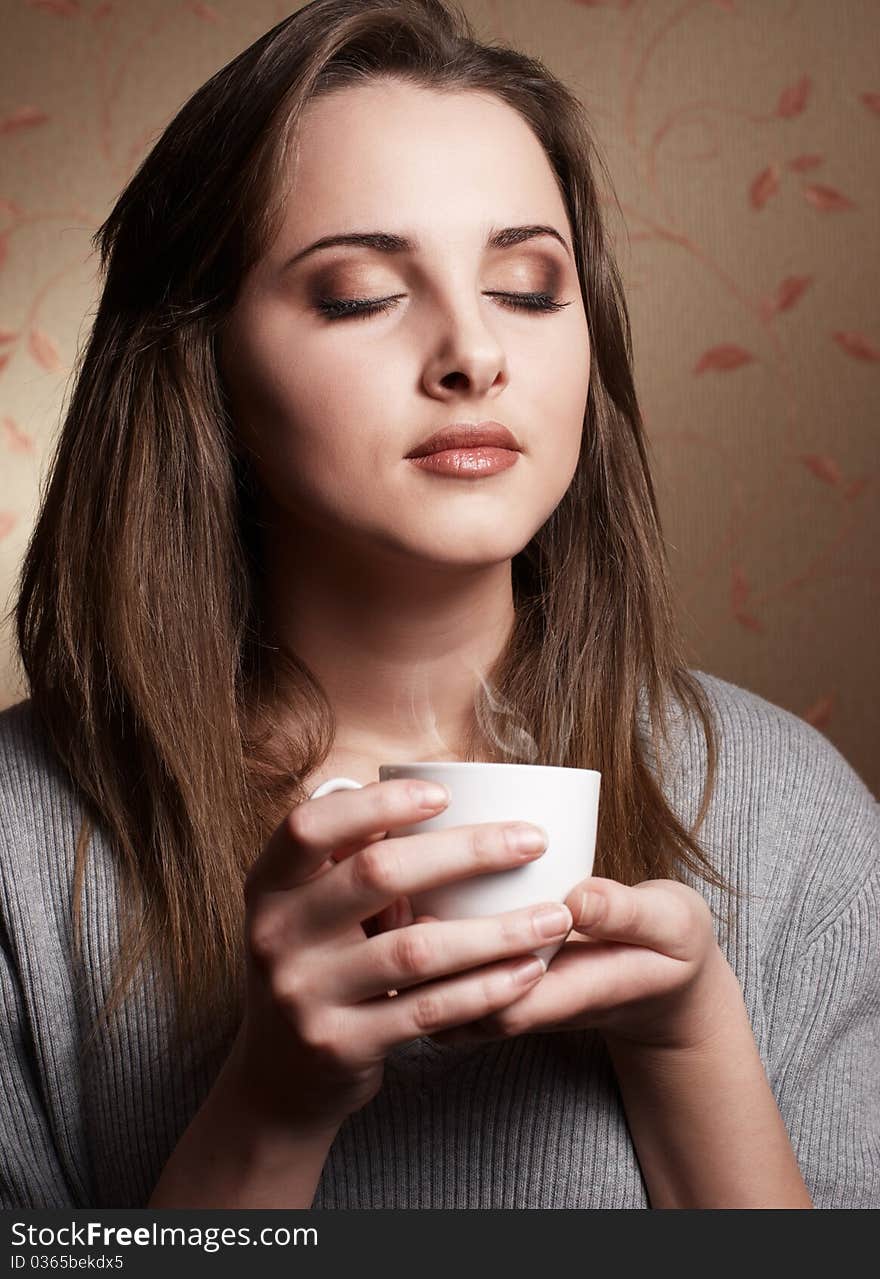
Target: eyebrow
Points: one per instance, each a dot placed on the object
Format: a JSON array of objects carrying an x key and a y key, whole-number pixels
[{"x": 388, "y": 242}]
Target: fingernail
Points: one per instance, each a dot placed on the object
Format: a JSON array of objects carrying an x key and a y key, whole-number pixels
[
  {"x": 526, "y": 838},
  {"x": 530, "y": 971},
  {"x": 431, "y": 795},
  {"x": 550, "y": 921}
]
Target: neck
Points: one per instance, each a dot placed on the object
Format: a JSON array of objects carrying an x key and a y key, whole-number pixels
[{"x": 400, "y": 647}]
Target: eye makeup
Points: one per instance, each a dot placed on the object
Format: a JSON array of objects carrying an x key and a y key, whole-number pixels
[
  {"x": 342, "y": 291},
  {"x": 349, "y": 308}
]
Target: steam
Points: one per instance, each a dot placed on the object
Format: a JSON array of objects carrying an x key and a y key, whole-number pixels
[
  {"x": 495, "y": 715},
  {"x": 423, "y": 717},
  {"x": 498, "y": 722}
]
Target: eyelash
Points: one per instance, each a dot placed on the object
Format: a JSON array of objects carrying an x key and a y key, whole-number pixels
[{"x": 349, "y": 308}]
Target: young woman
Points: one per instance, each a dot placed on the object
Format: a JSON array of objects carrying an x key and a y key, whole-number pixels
[{"x": 366, "y": 229}]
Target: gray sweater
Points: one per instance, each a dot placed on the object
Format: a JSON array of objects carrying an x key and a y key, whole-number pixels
[{"x": 532, "y": 1122}]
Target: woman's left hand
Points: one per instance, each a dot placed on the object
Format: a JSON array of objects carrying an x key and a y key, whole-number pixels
[{"x": 645, "y": 968}]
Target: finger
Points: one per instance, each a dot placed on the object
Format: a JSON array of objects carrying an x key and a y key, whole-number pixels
[
  {"x": 397, "y": 915},
  {"x": 386, "y": 918},
  {"x": 659, "y": 914},
  {"x": 414, "y": 1013},
  {"x": 405, "y": 865},
  {"x": 337, "y": 824},
  {"x": 412, "y": 956},
  {"x": 576, "y": 993}
]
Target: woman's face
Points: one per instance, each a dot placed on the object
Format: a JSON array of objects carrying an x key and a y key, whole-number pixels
[{"x": 330, "y": 407}]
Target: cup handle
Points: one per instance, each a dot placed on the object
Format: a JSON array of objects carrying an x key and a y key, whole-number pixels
[{"x": 335, "y": 783}]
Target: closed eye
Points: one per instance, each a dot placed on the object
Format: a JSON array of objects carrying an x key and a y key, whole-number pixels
[{"x": 346, "y": 308}]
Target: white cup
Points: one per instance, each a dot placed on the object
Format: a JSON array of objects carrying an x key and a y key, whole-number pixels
[{"x": 565, "y": 801}]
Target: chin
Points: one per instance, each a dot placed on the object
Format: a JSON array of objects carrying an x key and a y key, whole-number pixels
[{"x": 471, "y": 553}]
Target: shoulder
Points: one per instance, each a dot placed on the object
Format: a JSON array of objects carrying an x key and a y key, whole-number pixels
[
  {"x": 786, "y": 759},
  {"x": 33, "y": 781},
  {"x": 786, "y": 783},
  {"x": 41, "y": 815}
]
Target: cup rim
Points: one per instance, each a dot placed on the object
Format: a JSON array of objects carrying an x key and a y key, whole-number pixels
[{"x": 478, "y": 763}]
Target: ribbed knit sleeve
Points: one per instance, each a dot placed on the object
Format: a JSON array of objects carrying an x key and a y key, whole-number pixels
[
  {"x": 828, "y": 1082},
  {"x": 31, "y": 1175},
  {"x": 826, "y": 1074},
  {"x": 822, "y": 974}
]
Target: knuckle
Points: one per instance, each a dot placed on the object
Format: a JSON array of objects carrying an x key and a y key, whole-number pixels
[
  {"x": 376, "y": 868},
  {"x": 497, "y": 986},
  {"x": 428, "y": 1011},
  {"x": 411, "y": 951},
  {"x": 690, "y": 903},
  {"x": 301, "y": 826},
  {"x": 486, "y": 841},
  {"x": 703, "y": 912},
  {"x": 516, "y": 929},
  {"x": 376, "y": 800},
  {"x": 320, "y": 1034},
  {"x": 284, "y": 983},
  {"x": 628, "y": 912},
  {"x": 262, "y": 941}
]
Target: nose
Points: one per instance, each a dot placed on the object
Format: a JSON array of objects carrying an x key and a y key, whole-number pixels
[{"x": 466, "y": 356}]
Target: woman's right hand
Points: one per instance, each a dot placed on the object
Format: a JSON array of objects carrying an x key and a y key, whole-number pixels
[{"x": 318, "y": 1019}]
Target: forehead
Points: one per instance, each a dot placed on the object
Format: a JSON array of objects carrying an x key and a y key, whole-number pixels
[{"x": 389, "y": 150}]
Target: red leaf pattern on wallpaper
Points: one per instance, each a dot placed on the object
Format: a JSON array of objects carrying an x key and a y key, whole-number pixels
[
  {"x": 203, "y": 11},
  {"x": 8, "y": 521},
  {"x": 723, "y": 358},
  {"x": 739, "y": 588},
  {"x": 824, "y": 468},
  {"x": 787, "y": 293},
  {"x": 740, "y": 591},
  {"x": 854, "y": 490},
  {"x": 856, "y": 344},
  {"x": 44, "y": 350},
  {"x": 4, "y": 360},
  {"x": 63, "y": 8},
  {"x": 819, "y": 714},
  {"x": 22, "y": 118},
  {"x": 7, "y": 335},
  {"x": 764, "y": 185},
  {"x": 827, "y": 199},
  {"x": 871, "y": 101},
  {"x": 16, "y": 440},
  {"x": 793, "y": 99},
  {"x": 801, "y": 163}
]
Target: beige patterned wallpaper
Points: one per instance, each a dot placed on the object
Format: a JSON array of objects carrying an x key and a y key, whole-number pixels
[{"x": 742, "y": 137}]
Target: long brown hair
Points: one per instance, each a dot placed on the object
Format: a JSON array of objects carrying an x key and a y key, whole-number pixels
[{"x": 139, "y": 610}]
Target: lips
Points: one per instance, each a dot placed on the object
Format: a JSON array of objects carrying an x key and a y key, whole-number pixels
[{"x": 470, "y": 435}]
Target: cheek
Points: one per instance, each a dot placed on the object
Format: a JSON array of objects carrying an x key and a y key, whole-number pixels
[
  {"x": 279, "y": 408},
  {"x": 575, "y": 369},
  {"x": 561, "y": 384}
]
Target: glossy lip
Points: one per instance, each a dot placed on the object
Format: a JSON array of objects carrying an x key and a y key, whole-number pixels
[
  {"x": 468, "y": 435},
  {"x": 467, "y": 463}
]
